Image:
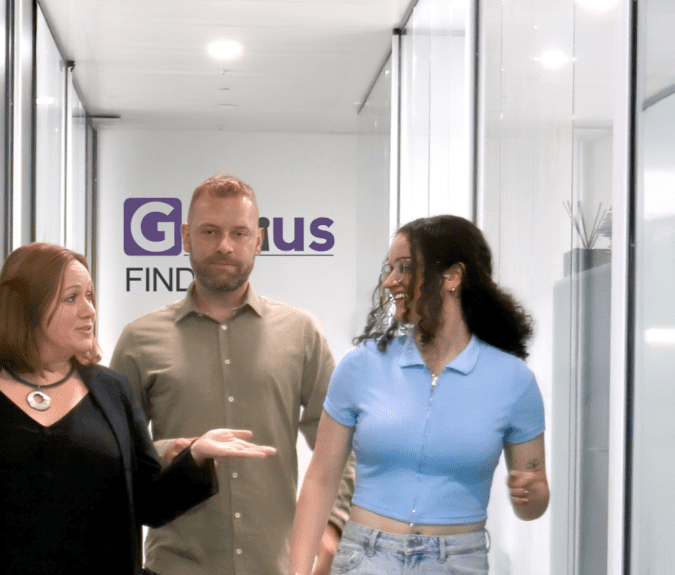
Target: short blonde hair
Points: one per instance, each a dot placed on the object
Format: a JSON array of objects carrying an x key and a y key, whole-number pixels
[{"x": 223, "y": 186}]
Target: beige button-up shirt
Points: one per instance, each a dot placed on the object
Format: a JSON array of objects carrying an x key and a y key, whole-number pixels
[{"x": 267, "y": 370}]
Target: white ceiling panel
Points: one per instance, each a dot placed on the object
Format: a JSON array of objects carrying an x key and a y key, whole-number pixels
[{"x": 306, "y": 63}]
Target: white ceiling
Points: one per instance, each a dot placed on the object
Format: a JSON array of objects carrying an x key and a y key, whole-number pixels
[{"x": 306, "y": 65}]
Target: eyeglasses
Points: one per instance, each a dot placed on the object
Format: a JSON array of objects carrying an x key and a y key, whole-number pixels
[{"x": 402, "y": 267}]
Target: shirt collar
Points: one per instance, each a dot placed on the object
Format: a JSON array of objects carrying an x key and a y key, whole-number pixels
[
  {"x": 463, "y": 363},
  {"x": 188, "y": 307}
]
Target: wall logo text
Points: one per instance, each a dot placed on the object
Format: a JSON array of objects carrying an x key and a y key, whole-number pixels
[{"x": 152, "y": 227}]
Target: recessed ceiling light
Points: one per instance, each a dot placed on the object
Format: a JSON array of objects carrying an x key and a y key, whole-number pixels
[
  {"x": 44, "y": 100},
  {"x": 598, "y": 5},
  {"x": 225, "y": 49},
  {"x": 554, "y": 59}
]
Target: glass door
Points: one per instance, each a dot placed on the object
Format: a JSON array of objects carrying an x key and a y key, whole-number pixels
[{"x": 652, "y": 504}]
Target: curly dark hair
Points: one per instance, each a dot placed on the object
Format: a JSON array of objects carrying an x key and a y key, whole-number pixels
[{"x": 436, "y": 244}]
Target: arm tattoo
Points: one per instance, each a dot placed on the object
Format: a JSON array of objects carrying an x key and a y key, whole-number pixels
[{"x": 532, "y": 464}]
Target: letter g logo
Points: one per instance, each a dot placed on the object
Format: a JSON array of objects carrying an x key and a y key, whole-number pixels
[{"x": 152, "y": 226}]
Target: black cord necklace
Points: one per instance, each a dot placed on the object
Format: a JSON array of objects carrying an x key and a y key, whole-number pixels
[{"x": 38, "y": 399}]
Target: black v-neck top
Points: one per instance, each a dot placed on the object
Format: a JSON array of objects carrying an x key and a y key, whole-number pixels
[{"x": 63, "y": 501}]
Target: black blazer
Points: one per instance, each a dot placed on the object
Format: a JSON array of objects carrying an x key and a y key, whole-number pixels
[{"x": 155, "y": 495}]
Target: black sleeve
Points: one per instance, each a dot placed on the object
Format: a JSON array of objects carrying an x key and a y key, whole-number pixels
[{"x": 161, "y": 495}]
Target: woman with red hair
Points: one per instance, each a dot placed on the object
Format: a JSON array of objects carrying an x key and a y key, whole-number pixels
[{"x": 79, "y": 473}]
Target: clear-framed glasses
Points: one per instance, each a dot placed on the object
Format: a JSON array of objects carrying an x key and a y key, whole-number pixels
[{"x": 402, "y": 268}]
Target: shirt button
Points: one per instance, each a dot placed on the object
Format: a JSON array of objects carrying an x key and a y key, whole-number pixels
[
  {"x": 230, "y": 399},
  {"x": 239, "y": 551},
  {"x": 227, "y": 362},
  {"x": 237, "y": 515},
  {"x": 235, "y": 475},
  {"x": 223, "y": 327}
]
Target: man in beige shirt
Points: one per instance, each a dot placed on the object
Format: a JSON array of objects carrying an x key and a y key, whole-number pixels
[{"x": 227, "y": 357}]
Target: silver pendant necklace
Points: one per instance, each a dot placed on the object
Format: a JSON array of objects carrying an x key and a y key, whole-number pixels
[{"x": 38, "y": 399}]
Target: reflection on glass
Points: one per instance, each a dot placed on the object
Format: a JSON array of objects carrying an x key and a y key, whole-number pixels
[
  {"x": 545, "y": 179},
  {"x": 374, "y": 169},
  {"x": 49, "y": 141},
  {"x": 76, "y": 172},
  {"x": 653, "y": 431},
  {"x": 435, "y": 112},
  {"x": 5, "y": 218}
]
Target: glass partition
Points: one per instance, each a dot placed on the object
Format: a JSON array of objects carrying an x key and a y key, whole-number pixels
[
  {"x": 49, "y": 137},
  {"x": 60, "y": 148},
  {"x": 653, "y": 464},
  {"x": 5, "y": 220},
  {"x": 374, "y": 168},
  {"x": 76, "y": 184},
  {"x": 436, "y": 111},
  {"x": 545, "y": 202},
  {"x": 21, "y": 60}
]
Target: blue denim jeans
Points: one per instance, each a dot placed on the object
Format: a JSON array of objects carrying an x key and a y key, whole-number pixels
[{"x": 365, "y": 551}]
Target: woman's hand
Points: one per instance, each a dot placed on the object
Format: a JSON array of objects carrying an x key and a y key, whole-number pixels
[
  {"x": 522, "y": 486},
  {"x": 527, "y": 481},
  {"x": 327, "y": 549},
  {"x": 219, "y": 443},
  {"x": 168, "y": 449}
]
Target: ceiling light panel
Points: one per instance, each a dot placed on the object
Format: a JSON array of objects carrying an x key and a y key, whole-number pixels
[
  {"x": 598, "y": 5},
  {"x": 225, "y": 50}
]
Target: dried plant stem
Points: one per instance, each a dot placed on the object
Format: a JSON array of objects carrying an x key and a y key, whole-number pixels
[{"x": 587, "y": 240}]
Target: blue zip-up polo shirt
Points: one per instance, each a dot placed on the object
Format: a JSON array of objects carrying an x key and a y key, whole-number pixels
[{"x": 427, "y": 454}]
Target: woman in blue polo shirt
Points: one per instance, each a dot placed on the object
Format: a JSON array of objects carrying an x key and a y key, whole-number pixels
[{"x": 434, "y": 391}]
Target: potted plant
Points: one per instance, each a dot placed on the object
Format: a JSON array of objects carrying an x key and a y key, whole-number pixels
[{"x": 587, "y": 257}]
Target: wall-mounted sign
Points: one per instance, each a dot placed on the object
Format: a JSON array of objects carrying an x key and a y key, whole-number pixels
[{"x": 152, "y": 228}]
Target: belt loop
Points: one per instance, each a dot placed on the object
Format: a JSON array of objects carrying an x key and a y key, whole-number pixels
[
  {"x": 370, "y": 545},
  {"x": 442, "y": 552},
  {"x": 488, "y": 541}
]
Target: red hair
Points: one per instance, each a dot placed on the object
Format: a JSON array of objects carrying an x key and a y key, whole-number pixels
[{"x": 30, "y": 281}]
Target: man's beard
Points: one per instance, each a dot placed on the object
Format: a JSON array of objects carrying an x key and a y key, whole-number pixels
[{"x": 221, "y": 280}]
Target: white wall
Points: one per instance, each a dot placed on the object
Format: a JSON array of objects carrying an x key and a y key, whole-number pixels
[{"x": 293, "y": 175}]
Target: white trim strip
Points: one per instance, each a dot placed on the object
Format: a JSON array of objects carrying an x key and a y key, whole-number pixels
[{"x": 620, "y": 289}]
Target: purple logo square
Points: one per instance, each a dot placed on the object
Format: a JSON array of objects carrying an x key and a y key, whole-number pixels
[{"x": 152, "y": 227}]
